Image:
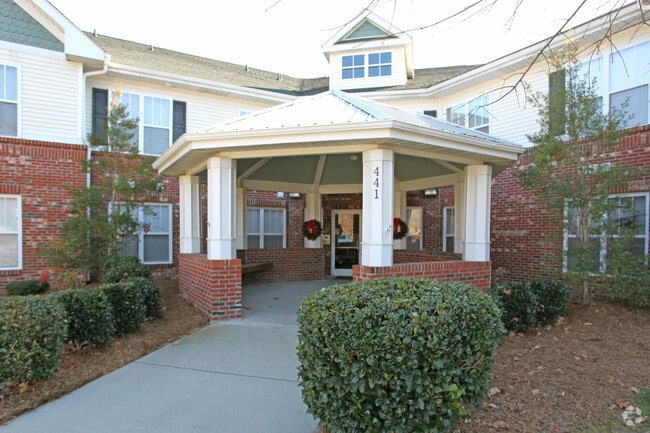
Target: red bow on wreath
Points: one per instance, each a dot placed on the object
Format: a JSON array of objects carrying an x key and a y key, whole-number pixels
[
  {"x": 312, "y": 229},
  {"x": 399, "y": 228}
]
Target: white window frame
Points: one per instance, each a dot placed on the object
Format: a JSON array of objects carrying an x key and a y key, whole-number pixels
[
  {"x": 261, "y": 232},
  {"x": 140, "y": 234},
  {"x": 601, "y": 70},
  {"x": 18, "y": 99},
  {"x": 445, "y": 226},
  {"x": 417, "y": 231},
  {"x": 366, "y": 66},
  {"x": 463, "y": 114},
  {"x": 19, "y": 229},
  {"x": 603, "y": 236},
  {"x": 141, "y": 115}
]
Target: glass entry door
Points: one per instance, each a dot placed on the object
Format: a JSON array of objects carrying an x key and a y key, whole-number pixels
[{"x": 346, "y": 237}]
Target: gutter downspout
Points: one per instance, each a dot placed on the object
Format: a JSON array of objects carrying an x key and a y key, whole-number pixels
[{"x": 84, "y": 111}]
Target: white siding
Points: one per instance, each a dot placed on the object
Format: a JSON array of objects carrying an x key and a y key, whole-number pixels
[
  {"x": 49, "y": 87},
  {"x": 203, "y": 109}
]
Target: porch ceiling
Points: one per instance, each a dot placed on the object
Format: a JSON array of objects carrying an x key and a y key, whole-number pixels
[{"x": 315, "y": 144}]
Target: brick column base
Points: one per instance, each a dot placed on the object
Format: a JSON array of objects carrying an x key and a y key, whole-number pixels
[
  {"x": 477, "y": 274},
  {"x": 212, "y": 286}
]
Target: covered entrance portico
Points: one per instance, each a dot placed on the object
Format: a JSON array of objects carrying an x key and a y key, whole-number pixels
[{"x": 331, "y": 143}]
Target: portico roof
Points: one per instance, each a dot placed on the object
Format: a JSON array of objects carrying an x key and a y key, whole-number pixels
[{"x": 315, "y": 143}]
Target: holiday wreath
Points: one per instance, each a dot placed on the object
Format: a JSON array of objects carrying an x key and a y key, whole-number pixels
[
  {"x": 312, "y": 229},
  {"x": 399, "y": 228}
]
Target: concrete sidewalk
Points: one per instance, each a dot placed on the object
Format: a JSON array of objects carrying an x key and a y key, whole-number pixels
[{"x": 230, "y": 377}]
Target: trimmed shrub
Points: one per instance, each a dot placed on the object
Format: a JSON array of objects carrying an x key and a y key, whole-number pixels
[
  {"x": 32, "y": 336},
  {"x": 519, "y": 305},
  {"x": 90, "y": 316},
  {"x": 395, "y": 354},
  {"x": 128, "y": 306},
  {"x": 552, "y": 297},
  {"x": 120, "y": 268},
  {"x": 151, "y": 295},
  {"x": 27, "y": 287}
]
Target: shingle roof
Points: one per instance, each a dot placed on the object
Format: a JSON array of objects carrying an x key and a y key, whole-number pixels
[{"x": 160, "y": 59}]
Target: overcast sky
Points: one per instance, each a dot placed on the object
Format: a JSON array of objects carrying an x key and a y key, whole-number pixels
[{"x": 286, "y": 36}]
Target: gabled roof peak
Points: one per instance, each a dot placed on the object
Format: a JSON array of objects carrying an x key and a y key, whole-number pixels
[{"x": 364, "y": 28}]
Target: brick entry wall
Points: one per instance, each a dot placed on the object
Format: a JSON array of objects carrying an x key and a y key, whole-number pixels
[
  {"x": 477, "y": 274},
  {"x": 289, "y": 264},
  {"x": 212, "y": 286}
]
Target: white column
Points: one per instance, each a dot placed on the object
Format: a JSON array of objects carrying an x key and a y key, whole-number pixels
[
  {"x": 459, "y": 217},
  {"x": 190, "y": 214},
  {"x": 313, "y": 211},
  {"x": 377, "y": 217},
  {"x": 221, "y": 209},
  {"x": 400, "y": 211},
  {"x": 242, "y": 241},
  {"x": 478, "y": 186}
]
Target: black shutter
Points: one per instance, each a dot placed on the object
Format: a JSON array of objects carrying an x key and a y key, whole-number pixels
[
  {"x": 557, "y": 102},
  {"x": 179, "y": 119},
  {"x": 100, "y": 112}
]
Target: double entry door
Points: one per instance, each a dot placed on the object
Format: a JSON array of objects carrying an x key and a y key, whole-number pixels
[{"x": 346, "y": 240}]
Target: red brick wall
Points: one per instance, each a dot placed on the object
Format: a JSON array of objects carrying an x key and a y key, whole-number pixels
[
  {"x": 212, "y": 286},
  {"x": 522, "y": 226},
  {"x": 477, "y": 274},
  {"x": 41, "y": 173},
  {"x": 290, "y": 264}
]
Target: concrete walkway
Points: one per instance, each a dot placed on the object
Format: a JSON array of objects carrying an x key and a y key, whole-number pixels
[{"x": 230, "y": 377}]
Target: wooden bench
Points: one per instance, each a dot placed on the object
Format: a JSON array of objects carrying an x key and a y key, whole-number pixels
[{"x": 249, "y": 268}]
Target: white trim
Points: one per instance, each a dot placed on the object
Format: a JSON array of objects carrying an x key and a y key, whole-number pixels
[{"x": 19, "y": 228}]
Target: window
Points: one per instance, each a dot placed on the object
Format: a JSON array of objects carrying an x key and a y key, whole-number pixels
[
  {"x": 156, "y": 122},
  {"x": 378, "y": 65},
  {"x": 10, "y": 232},
  {"x": 475, "y": 114},
  {"x": 624, "y": 228},
  {"x": 152, "y": 243},
  {"x": 265, "y": 228},
  {"x": 431, "y": 113},
  {"x": 161, "y": 120},
  {"x": 354, "y": 66},
  {"x": 628, "y": 81},
  {"x": 414, "y": 234},
  {"x": 448, "y": 230},
  {"x": 623, "y": 81},
  {"x": 8, "y": 100}
]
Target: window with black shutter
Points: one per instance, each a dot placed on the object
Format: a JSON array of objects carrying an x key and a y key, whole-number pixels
[
  {"x": 179, "y": 119},
  {"x": 100, "y": 112}
]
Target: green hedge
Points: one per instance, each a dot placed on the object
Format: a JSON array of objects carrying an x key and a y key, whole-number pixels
[
  {"x": 127, "y": 302},
  {"x": 117, "y": 269},
  {"x": 395, "y": 355},
  {"x": 26, "y": 287},
  {"x": 151, "y": 295},
  {"x": 90, "y": 316},
  {"x": 526, "y": 305},
  {"x": 32, "y": 336}
]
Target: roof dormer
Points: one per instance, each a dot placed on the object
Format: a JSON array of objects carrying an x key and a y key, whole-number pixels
[{"x": 369, "y": 53}]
